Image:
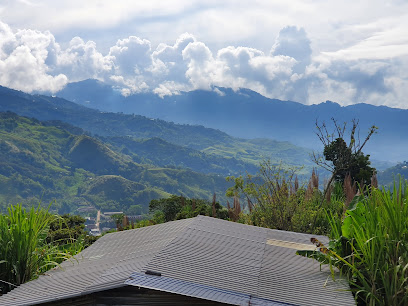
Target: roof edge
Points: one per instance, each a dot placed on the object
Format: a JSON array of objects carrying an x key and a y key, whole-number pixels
[{"x": 186, "y": 288}]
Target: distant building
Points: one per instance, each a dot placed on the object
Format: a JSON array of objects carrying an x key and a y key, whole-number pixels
[
  {"x": 197, "y": 261},
  {"x": 112, "y": 213},
  {"x": 89, "y": 220},
  {"x": 105, "y": 229},
  {"x": 95, "y": 232},
  {"x": 90, "y": 226},
  {"x": 84, "y": 209}
]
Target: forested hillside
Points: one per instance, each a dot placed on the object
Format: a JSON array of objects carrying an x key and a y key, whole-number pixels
[
  {"x": 196, "y": 147},
  {"x": 246, "y": 113},
  {"x": 43, "y": 161},
  {"x": 390, "y": 175}
]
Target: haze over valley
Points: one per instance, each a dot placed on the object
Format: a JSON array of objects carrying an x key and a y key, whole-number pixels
[
  {"x": 178, "y": 152},
  {"x": 110, "y": 100}
]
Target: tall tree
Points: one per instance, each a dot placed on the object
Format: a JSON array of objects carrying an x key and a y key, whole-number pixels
[{"x": 343, "y": 159}]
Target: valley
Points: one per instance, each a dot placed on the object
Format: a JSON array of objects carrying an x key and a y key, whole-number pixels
[{"x": 83, "y": 157}]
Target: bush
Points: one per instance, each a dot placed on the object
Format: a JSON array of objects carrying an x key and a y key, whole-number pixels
[
  {"x": 275, "y": 200},
  {"x": 24, "y": 252},
  {"x": 370, "y": 246}
]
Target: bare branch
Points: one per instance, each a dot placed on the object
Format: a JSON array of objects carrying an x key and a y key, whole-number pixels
[{"x": 373, "y": 130}]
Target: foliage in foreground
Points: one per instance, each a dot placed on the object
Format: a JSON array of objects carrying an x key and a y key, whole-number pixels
[
  {"x": 174, "y": 208},
  {"x": 273, "y": 199},
  {"x": 68, "y": 231},
  {"x": 276, "y": 200},
  {"x": 370, "y": 246},
  {"x": 29, "y": 245}
]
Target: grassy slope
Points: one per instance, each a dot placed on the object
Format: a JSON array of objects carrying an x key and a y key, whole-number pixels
[
  {"x": 42, "y": 161},
  {"x": 216, "y": 147}
]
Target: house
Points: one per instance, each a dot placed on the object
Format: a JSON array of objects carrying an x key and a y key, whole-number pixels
[{"x": 194, "y": 261}]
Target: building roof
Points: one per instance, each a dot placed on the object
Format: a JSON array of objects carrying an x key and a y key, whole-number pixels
[{"x": 201, "y": 257}]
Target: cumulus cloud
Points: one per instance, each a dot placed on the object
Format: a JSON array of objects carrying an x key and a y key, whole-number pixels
[
  {"x": 32, "y": 60},
  {"x": 201, "y": 66},
  {"x": 294, "y": 42},
  {"x": 25, "y": 60},
  {"x": 81, "y": 60}
]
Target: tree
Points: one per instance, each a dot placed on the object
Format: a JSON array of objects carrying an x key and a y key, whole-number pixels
[
  {"x": 169, "y": 206},
  {"x": 343, "y": 159},
  {"x": 178, "y": 207},
  {"x": 66, "y": 229}
]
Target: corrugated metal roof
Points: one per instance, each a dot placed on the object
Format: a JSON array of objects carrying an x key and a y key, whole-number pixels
[
  {"x": 201, "y": 257},
  {"x": 237, "y": 258},
  {"x": 104, "y": 265},
  {"x": 196, "y": 290}
]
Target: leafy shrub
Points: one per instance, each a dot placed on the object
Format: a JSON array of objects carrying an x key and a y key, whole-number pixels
[
  {"x": 24, "y": 252},
  {"x": 178, "y": 207},
  {"x": 370, "y": 246},
  {"x": 276, "y": 200}
]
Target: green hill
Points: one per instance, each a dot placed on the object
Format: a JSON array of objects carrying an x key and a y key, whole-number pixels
[
  {"x": 156, "y": 151},
  {"x": 42, "y": 162},
  {"x": 111, "y": 190},
  {"x": 159, "y": 142},
  {"x": 90, "y": 154},
  {"x": 388, "y": 176}
]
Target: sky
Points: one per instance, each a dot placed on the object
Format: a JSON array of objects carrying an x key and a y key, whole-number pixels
[{"x": 307, "y": 51}]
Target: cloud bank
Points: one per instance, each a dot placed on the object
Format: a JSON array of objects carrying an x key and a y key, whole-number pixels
[{"x": 32, "y": 60}]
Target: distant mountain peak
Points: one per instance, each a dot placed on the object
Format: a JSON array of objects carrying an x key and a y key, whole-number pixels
[{"x": 247, "y": 114}]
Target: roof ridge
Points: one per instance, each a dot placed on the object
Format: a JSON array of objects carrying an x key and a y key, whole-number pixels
[
  {"x": 187, "y": 227},
  {"x": 117, "y": 264}
]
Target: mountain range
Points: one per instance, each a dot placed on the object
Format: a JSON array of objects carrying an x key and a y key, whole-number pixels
[
  {"x": 150, "y": 138},
  {"x": 83, "y": 156},
  {"x": 247, "y": 114},
  {"x": 41, "y": 161}
]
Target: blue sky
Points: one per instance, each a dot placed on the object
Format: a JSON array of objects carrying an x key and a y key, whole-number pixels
[{"x": 306, "y": 51}]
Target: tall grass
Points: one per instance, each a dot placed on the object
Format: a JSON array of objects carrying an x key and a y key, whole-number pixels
[
  {"x": 24, "y": 253},
  {"x": 370, "y": 246},
  {"x": 275, "y": 200}
]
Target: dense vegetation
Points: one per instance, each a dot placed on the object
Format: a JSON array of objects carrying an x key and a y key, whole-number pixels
[
  {"x": 196, "y": 147},
  {"x": 34, "y": 241},
  {"x": 273, "y": 198},
  {"x": 47, "y": 161},
  {"x": 370, "y": 246}
]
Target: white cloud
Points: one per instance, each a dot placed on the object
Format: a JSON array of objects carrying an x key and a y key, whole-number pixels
[
  {"x": 201, "y": 66},
  {"x": 81, "y": 60},
  {"x": 131, "y": 55},
  {"x": 24, "y": 59},
  {"x": 7, "y": 40},
  {"x": 294, "y": 42},
  {"x": 367, "y": 63},
  {"x": 168, "y": 59},
  {"x": 170, "y": 88},
  {"x": 23, "y": 70},
  {"x": 381, "y": 45}
]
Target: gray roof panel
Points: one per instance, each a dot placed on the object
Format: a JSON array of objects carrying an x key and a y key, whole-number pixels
[
  {"x": 172, "y": 285},
  {"x": 200, "y": 257},
  {"x": 106, "y": 264}
]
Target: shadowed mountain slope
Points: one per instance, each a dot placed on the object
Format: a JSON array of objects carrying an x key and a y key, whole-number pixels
[
  {"x": 222, "y": 153},
  {"x": 245, "y": 113}
]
